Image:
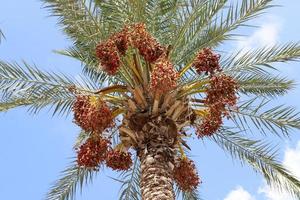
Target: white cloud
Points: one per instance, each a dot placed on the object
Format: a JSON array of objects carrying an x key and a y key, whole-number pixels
[
  {"x": 266, "y": 35},
  {"x": 292, "y": 162},
  {"x": 239, "y": 194},
  {"x": 273, "y": 194}
]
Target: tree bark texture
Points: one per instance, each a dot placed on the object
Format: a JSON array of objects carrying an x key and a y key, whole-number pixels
[
  {"x": 156, "y": 178},
  {"x": 156, "y": 148}
]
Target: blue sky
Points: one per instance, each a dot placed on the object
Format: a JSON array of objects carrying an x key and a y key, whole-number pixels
[{"x": 35, "y": 148}]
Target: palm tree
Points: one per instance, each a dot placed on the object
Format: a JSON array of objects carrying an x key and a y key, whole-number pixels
[{"x": 152, "y": 80}]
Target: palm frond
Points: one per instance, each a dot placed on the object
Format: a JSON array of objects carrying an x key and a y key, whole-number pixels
[
  {"x": 80, "y": 20},
  {"x": 160, "y": 17},
  {"x": 264, "y": 85},
  {"x": 90, "y": 64},
  {"x": 60, "y": 105},
  {"x": 130, "y": 189},
  {"x": 15, "y": 78},
  {"x": 261, "y": 157},
  {"x": 232, "y": 18},
  {"x": 193, "y": 195},
  {"x": 184, "y": 195},
  {"x": 157, "y": 15},
  {"x": 7, "y": 105},
  {"x": 72, "y": 178},
  {"x": 2, "y": 36},
  {"x": 115, "y": 14},
  {"x": 193, "y": 20},
  {"x": 84, "y": 23},
  {"x": 220, "y": 28},
  {"x": 261, "y": 59},
  {"x": 27, "y": 85},
  {"x": 81, "y": 138},
  {"x": 279, "y": 120}
]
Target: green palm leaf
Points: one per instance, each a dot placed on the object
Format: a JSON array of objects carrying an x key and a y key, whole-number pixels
[
  {"x": 130, "y": 189},
  {"x": 192, "y": 22},
  {"x": 264, "y": 85},
  {"x": 90, "y": 64},
  {"x": 260, "y": 60},
  {"x": 219, "y": 29},
  {"x": 192, "y": 195},
  {"x": 158, "y": 17},
  {"x": 80, "y": 19},
  {"x": 83, "y": 23},
  {"x": 27, "y": 85},
  {"x": 7, "y": 105},
  {"x": 72, "y": 178},
  {"x": 279, "y": 120},
  {"x": 1, "y": 36},
  {"x": 260, "y": 156}
]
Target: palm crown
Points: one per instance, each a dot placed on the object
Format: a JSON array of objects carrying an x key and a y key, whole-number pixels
[{"x": 152, "y": 78}]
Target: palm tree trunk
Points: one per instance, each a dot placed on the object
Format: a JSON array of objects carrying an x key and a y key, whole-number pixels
[{"x": 156, "y": 176}]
